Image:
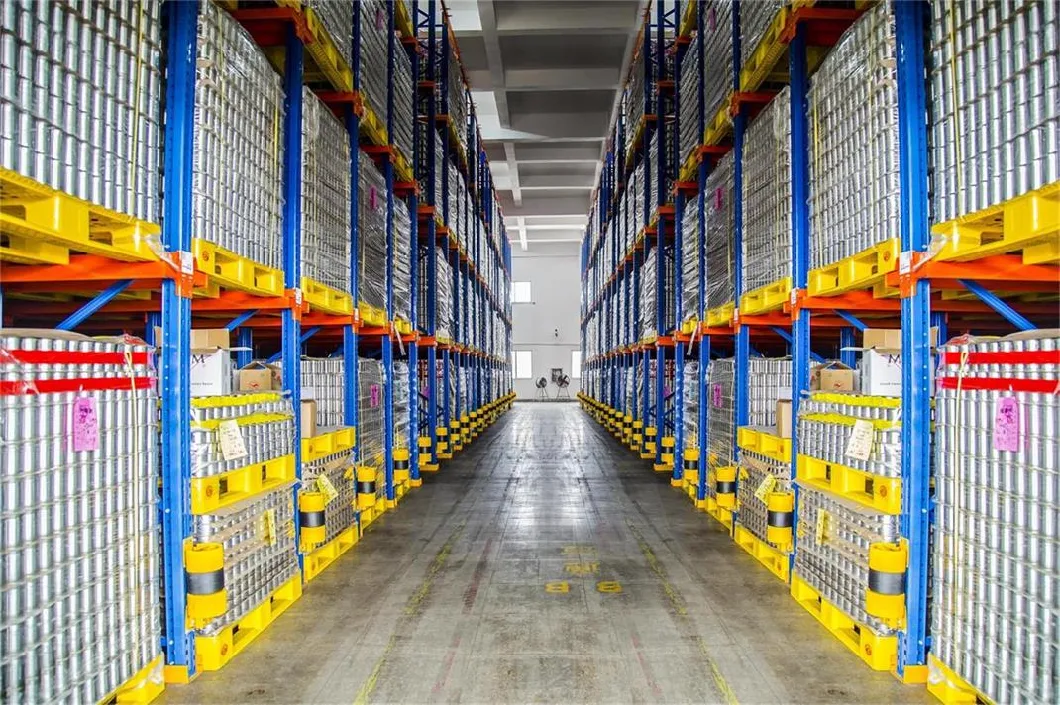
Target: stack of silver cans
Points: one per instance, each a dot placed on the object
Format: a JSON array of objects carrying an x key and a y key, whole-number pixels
[
  {"x": 755, "y": 18},
  {"x": 80, "y": 541},
  {"x": 401, "y": 404},
  {"x": 854, "y": 194},
  {"x": 337, "y": 18},
  {"x": 372, "y": 234},
  {"x": 633, "y": 113},
  {"x": 457, "y": 105},
  {"x": 833, "y": 537},
  {"x": 720, "y": 256},
  {"x": 401, "y": 254},
  {"x": 403, "y": 121},
  {"x": 994, "y": 103},
  {"x": 767, "y": 194},
  {"x": 237, "y": 197},
  {"x": 648, "y": 300},
  {"x": 997, "y": 533},
  {"x": 691, "y": 72},
  {"x": 323, "y": 381},
  {"x": 265, "y": 421},
  {"x": 370, "y": 416},
  {"x": 691, "y": 406},
  {"x": 717, "y": 49},
  {"x": 81, "y": 97},
  {"x": 338, "y": 469},
  {"x": 259, "y": 550},
  {"x": 443, "y": 295},
  {"x": 721, "y": 423},
  {"x": 690, "y": 252},
  {"x": 374, "y": 28},
  {"x": 755, "y": 470},
  {"x": 654, "y": 155},
  {"x": 768, "y": 377},
  {"x": 325, "y": 195},
  {"x": 825, "y": 428}
]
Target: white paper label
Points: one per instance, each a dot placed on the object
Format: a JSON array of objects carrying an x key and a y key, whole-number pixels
[
  {"x": 187, "y": 263},
  {"x": 905, "y": 262},
  {"x": 860, "y": 444},
  {"x": 298, "y": 297},
  {"x": 232, "y": 445},
  {"x": 794, "y": 297}
]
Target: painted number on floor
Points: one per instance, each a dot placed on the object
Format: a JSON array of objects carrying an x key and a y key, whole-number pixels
[
  {"x": 608, "y": 586},
  {"x": 583, "y": 568},
  {"x": 557, "y": 587}
]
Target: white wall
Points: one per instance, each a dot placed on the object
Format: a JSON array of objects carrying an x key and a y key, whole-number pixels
[{"x": 553, "y": 273}]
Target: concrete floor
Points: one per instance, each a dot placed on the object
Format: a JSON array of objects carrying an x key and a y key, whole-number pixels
[{"x": 490, "y": 584}]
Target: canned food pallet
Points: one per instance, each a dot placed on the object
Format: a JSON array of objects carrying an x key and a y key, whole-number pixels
[
  {"x": 775, "y": 561},
  {"x": 721, "y": 316},
  {"x": 372, "y": 126},
  {"x": 402, "y": 19},
  {"x": 43, "y": 226},
  {"x": 689, "y": 326},
  {"x": 762, "y": 441},
  {"x": 764, "y": 299},
  {"x": 859, "y": 271},
  {"x": 316, "y": 562},
  {"x": 770, "y": 49},
  {"x": 403, "y": 327},
  {"x": 214, "y": 652},
  {"x": 883, "y": 494},
  {"x": 880, "y": 653},
  {"x": 1029, "y": 224},
  {"x": 145, "y": 686},
  {"x": 235, "y": 271},
  {"x": 208, "y": 494},
  {"x": 327, "y": 443},
  {"x": 372, "y": 316},
  {"x": 326, "y": 299},
  {"x": 690, "y": 167},
  {"x": 321, "y": 47},
  {"x": 637, "y": 138},
  {"x": 719, "y": 125},
  {"x": 402, "y": 167},
  {"x": 949, "y": 688}
]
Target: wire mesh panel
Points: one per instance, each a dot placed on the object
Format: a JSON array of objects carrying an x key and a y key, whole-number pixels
[
  {"x": 756, "y": 469},
  {"x": 404, "y": 118},
  {"x": 853, "y": 99},
  {"x": 237, "y": 198},
  {"x": 81, "y": 100},
  {"x": 402, "y": 265},
  {"x": 325, "y": 195},
  {"x": 370, "y": 438},
  {"x": 994, "y": 103},
  {"x": 373, "y": 28},
  {"x": 337, "y": 18},
  {"x": 372, "y": 234},
  {"x": 691, "y": 73},
  {"x": 690, "y": 381},
  {"x": 338, "y": 468},
  {"x": 443, "y": 295},
  {"x": 996, "y": 542},
  {"x": 719, "y": 227},
  {"x": 401, "y": 404},
  {"x": 79, "y": 540},
  {"x": 767, "y": 195},
  {"x": 323, "y": 381},
  {"x": 690, "y": 252}
]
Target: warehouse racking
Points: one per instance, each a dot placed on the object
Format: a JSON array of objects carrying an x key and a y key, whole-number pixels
[
  {"x": 990, "y": 269},
  {"x": 72, "y": 265}
]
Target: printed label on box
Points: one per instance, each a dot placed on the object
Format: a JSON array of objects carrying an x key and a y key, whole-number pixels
[{"x": 85, "y": 425}]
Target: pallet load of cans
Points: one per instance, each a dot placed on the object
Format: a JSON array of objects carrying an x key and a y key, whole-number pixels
[
  {"x": 649, "y": 320},
  {"x": 80, "y": 527},
  {"x": 333, "y": 479},
  {"x": 371, "y": 470},
  {"x": 337, "y": 18},
  {"x": 996, "y": 535},
  {"x": 403, "y": 121},
  {"x": 720, "y": 255},
  {"x": 853, "y": 98},
  {"x": 690, "y": 254},
  {"x": 443, "y": 296},
  {"x": 322, "y": 381},
  {"x": 633, "y": 112},
  {"x": 769, "y": 379},
  {"x": 690, "y": 383},
  {"x": 721, "y": 424},
  {"x": 717, "y": 54},
  {"x": 372, "y": 235},
  {"x": 401, "y": 256},
  {"x": 237, "y": 197},
  {"x": 325, "y": 195},
  {"x": 755, "y": 18},
  {"x": 457, "y": 99},
  {"x": 691, "y": 73},
  {"x": 401, "y": 404},
  {"x": 60, "y": 58},
  {"x": 256, "y": 539},
  {"x": 993, "y": 121},
  {"x": 767, "y": 194},
  {"x": 374, "y": 27},
  {"x": 653, "y": 181},
  {"x": 766, "y": 502}
]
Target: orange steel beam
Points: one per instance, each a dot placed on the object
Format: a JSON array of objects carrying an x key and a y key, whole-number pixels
[
  {"x": 92, "y": 268},
  {"x": 996, "y": 268}
]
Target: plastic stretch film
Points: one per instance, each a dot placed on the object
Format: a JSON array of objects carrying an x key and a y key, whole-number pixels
[
  {"x": 402, "y": 265},
  {"x": 755, "y": 18},
  {"x": 717, "y": 50},
  {"x": 338, "y": 468},
  {"x": 337, "y": 18},
  {"x": 370, "y": 429},
  {"x": 401, "y": 404},
  {"x": 374, "y": 56},
  {"x": 691, "y": 71},
  {"x": 691, "y": 407},
  {"x": 372, "y": 234},
  {"x": 323, "y": 380},
  {"x": 720, "y": 256},
  {"x": 767, "y": 195},
  {"x": 325, "y": 195},
  {"x": 755, "y": 470},
  {"x": 265, "y": 424},
  {"x": 721, "y": 425},
  {"x": 690, "y": 254}
]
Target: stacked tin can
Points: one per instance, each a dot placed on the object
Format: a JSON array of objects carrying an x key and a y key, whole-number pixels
[
  {"x": 688, "y": 97},
  {"x": 79, "y": 535},
  {"x": 443, "y": 295},
  {"x": 690, "y": 253},
  {"x": 80, "y": 100},
  {"x": 755, "y": 18},
  {"x": 633, "y": 112},
  {"x": 853, "y": 99},
  {"x": 323, "y": 381},
  {"x": 372, "y": 234},
  {"x": 648, "y": 300},
  {"x": 370, "y": 415},
  {"x": 834, "y": 536},
  {"x": 338, "y": 468},
  {"x": 337, "y": 18},
  {"x": 997, "y": 534},
  {"x": 720, "y": 255},
  {"x": 721, "y": 424},
  {"x": 265, "y": 421},
  {"x": 237, "y": 197},
  {"x": 690, "y": 382},
  {"x": 652, "y": 168},
  {"x": 717, "y": 50},
  {"x": 401, "y": 261},
  {"x": 403, "y": 121},
  {"x": 767, "y": 377},
  {"x": 767, "y": 194},
  {"x": 755, "y": 471},
  {"x": 259, "y": 551},
  {"x": 826, "y": 423},
  {"x": 325, "y": 195},
  {"x": 373, "y": 42},
  {"x": 457, "y": 105},
  {"x": 994, "y": 103},
  {"x": 401, "y": 404}
]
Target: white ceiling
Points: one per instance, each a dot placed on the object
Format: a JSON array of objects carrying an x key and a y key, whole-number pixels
[{"x": 544, "y": 76}]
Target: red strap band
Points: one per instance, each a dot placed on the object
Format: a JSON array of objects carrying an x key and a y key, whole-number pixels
[
  {"x": 1015, "y": 357},
  {"x": 1000, "y": 384},
  {"x": 90, "y": 384},
  {"x": 72, "y": 357}
]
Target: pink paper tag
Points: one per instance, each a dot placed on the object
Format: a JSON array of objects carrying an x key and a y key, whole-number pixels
[
  {"x": 715, "y": 395},
  {"x": 371, "y": 197},
  {"x": 374, "y": 393},
  {"x": 380, "y": 18},
  {"x": 712, "y": 19},
  {"x": 85, "y": 425},
  {"x": 717, "y": 199},
  {"x": 1007, "y": 425}
]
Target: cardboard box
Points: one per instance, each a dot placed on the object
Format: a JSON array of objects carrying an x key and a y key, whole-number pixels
[
  {"x": 784, "y": 418},
  {"x": 881, "y": 373},
  {"x": 882, "y": 338},
  {"x": 259, "y": 377},
  {"x": 211, "y": 373},
  {"x": 205, "y": 338},
  {"x": 309, "y": 418},
  {"x": 832, "y": 377}
]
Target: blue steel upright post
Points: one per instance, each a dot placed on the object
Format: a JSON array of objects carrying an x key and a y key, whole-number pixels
[
  {"x": 742, "y": 333},
  {"x": 386, "y": 341},
  {"x": 351, "y": 408}
]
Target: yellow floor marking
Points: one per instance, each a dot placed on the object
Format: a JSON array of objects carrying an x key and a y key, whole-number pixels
[
  {"x": 582, "y": 568},
  {"x": 608, "y": 586},
  {"x": 557, "y": 587}
]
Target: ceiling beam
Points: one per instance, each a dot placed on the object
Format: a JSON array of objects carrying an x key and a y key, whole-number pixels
[{"x": 513, "y": 173}]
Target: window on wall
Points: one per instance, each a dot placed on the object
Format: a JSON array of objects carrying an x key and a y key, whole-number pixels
[
  {"x": 523, "y": 364},
  {"x": 576, "y": 364},
  {"x": 521, "y": 293}
]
